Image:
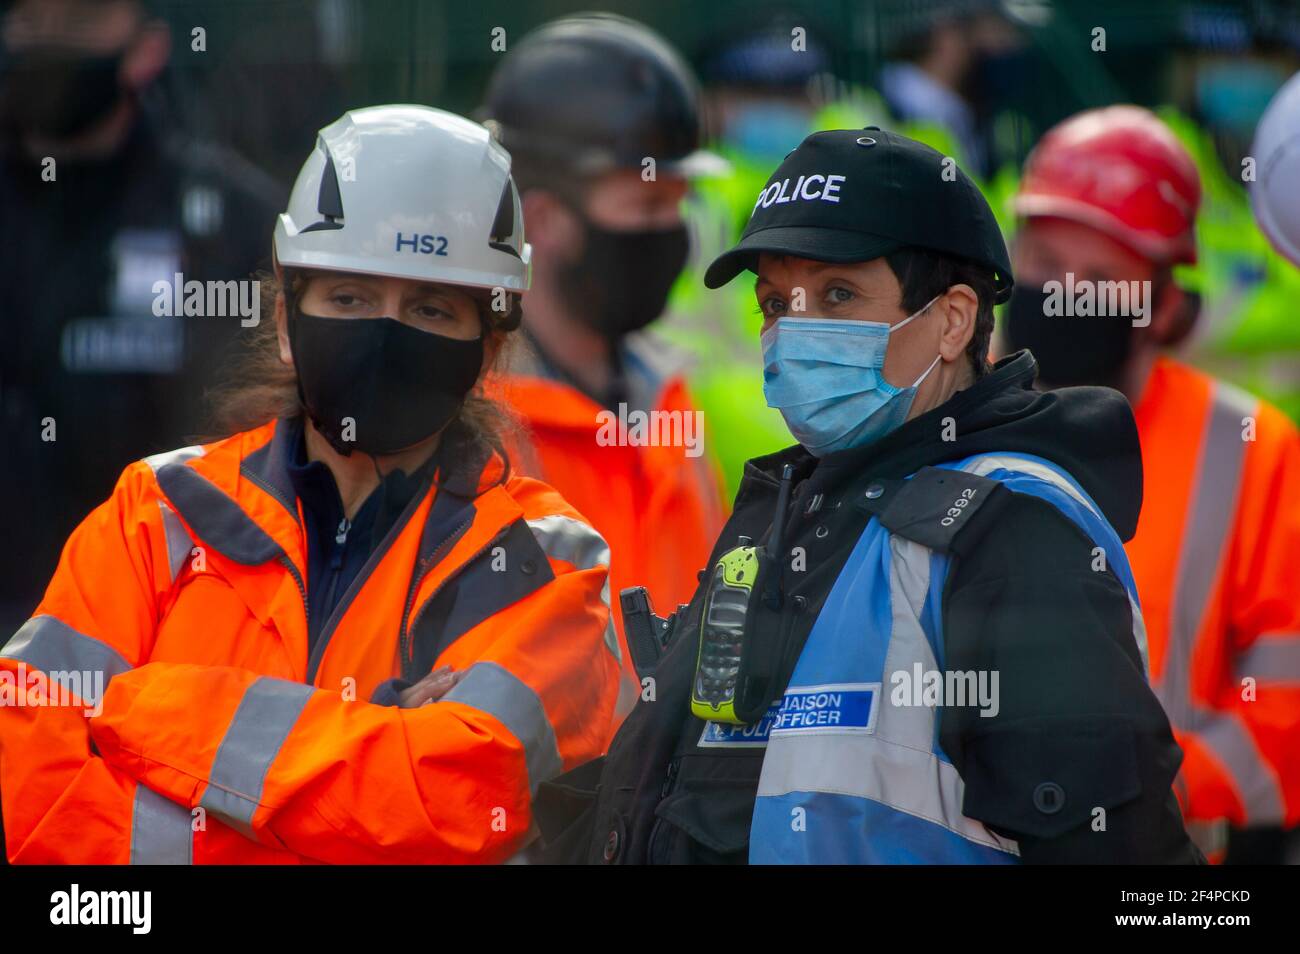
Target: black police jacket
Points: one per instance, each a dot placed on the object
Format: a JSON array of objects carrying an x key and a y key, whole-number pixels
[
  {"x": 84, "y": 349},
  {"x": 1021, "y": 596}
]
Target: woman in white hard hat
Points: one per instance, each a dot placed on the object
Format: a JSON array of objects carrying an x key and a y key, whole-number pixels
[{"x": 262, "y": 621}]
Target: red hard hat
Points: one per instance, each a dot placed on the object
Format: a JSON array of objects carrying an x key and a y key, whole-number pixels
[{"x": 1121, "y": 171}]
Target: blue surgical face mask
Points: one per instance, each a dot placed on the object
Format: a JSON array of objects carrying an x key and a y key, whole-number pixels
[
  {"x": 824, "y": 376},
  {"x": 767, "y": 130}
]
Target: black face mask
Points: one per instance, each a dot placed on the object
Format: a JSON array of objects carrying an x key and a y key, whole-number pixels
[
  {"x": 621, "y": 281},
  {"x": 398, "y": 384},
  {"x": 58, "y": 94},
  {"x": 1069, "y": 351}
]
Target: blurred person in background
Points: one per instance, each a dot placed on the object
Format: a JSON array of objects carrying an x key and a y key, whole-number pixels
[
  {"x": 1110, "y": 196},
  {"x": 101, "y": 197},
  {"x": 760, "y": 98},
  {"x": 346, "y": 632},
  {"x": 601, "y": 118},
  {"x": 1226, "y": 64},
  {"x": 950, "y": 65},
  {"x": 762, "y": 88}
]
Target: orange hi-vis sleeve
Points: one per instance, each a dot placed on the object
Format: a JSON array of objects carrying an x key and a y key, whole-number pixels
[
  {"x": 1215, "y": 563},
  {"x": 213, "y": 737}
]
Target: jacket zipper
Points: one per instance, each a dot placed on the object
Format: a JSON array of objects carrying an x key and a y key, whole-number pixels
[
  {"x": 297, "y": 578},
  {"x": 408, "y": 624},
  {"x": 288, "y": 505},
  {"x": 375, "y": 558},
  {"x": 336, "y": 558},
  {"x": 673, "y": 767},
  {"x": 664, "y": 791},
  {"x": 403, "y": 638}
]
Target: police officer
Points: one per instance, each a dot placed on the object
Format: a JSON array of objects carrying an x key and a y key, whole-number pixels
[
  {"x": 101, "y": 199},
  {"x": 942, "y": 654}
]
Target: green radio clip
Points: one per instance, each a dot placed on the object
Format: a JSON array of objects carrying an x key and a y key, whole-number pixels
[{"x": 732, "y": 588}]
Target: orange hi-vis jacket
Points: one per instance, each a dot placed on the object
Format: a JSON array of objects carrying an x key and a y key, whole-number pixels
[
  {"x": 217, "y": 740},
  {"x": 659, "y": 507},
  {"x": 1216, "y": 557}
]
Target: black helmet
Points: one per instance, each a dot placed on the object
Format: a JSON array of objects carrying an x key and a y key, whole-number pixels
[{"x": 595, "y": 92}]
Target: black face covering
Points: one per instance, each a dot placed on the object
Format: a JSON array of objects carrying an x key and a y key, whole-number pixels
[
  {"x": 58, "y": 94},
  {"x": 621, "y": 281},
  {"x": 1069, "y": 351},
  {"x": 398, "y": 384}
]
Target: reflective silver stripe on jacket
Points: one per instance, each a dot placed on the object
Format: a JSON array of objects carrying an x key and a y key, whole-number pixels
[
  {"x": 1211, "y": 509},
  {"x": 177, "y": 456},
  {"x": 1216, "y": 484},
  {"x": 179, "y": 544},
  {"x": 629, "y": 691},
  {"x": 1228, "y": 738},
  {"x": 162, "y": 832},
  {"x": 1272, "y": 657},
  {"x": 64, "y": 655},
  {"x": 493, "y": 689},
  {"x": 894, "y": 765},
  {"x": 570, "y": 540},
  {"x": 263, "y": 720}
]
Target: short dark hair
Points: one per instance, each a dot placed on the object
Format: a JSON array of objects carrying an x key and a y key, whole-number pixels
[{"x": 924, "y": 273}]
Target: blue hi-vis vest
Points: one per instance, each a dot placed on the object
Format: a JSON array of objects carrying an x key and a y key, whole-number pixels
[{"x": 850, "y": 778}]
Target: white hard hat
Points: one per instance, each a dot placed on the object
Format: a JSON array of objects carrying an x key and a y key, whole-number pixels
[
  {"x": 408, "y": 192},
  {"x": 1276, "y": 150}
]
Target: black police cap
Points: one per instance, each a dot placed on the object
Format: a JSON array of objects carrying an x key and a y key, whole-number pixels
[{"x": 851, "y": 195}]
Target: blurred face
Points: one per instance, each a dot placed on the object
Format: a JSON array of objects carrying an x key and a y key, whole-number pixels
[
  {"x": 1108, "y": 349},
  {"x": 623, "y": 201},
  {"x": 438, "y": 309},
  {"x": 766, "y": 125},
  {"x": 869, "y": 291},
  {"x": 607, "y": 259},
  {"x": 72, "y": 69},
  {"x": 1047, "y": 248},
  {"x": 90, "y": 27}
]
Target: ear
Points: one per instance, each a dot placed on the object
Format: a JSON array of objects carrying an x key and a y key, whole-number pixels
[
  {"x": 282, "y": 331},
  {"x": 1175, "y": 313},
  {"x": 553, "y": 230},
  {"x": 960, "y": 307},
  {"x": 147, "y": 56}
]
